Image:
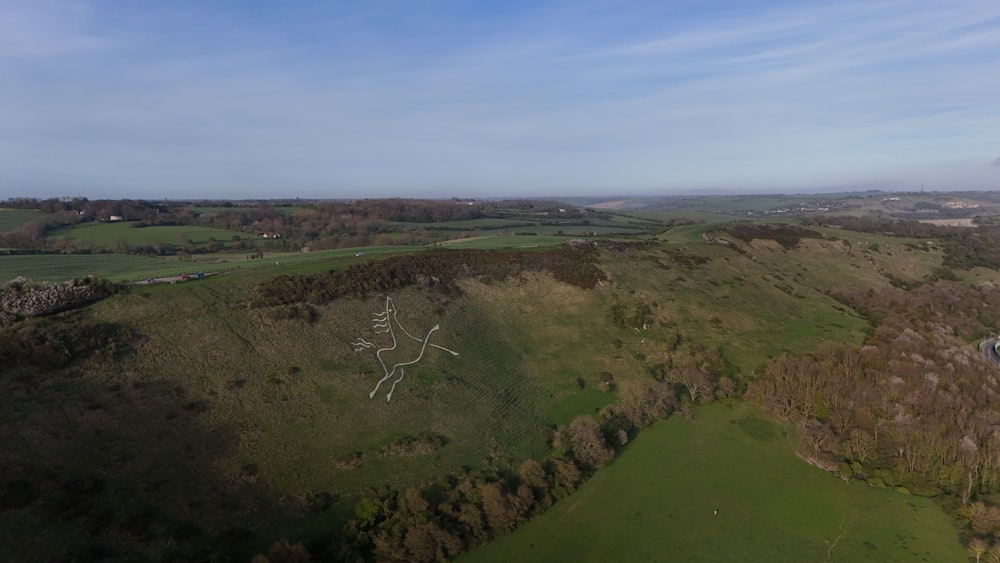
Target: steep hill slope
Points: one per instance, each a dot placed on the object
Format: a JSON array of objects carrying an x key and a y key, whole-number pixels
[{"x": 225, "y": 424}]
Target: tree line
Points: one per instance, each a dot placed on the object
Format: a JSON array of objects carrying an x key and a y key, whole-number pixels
[{"x": 456, "y": 512}]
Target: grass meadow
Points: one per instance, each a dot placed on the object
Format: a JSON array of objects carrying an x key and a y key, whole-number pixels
[
  {"x": 658, "y": 502},
  {"x": 63, "y": 267},
  {"x": 110, "y": 234},
  {"x": 289, "y": 382},
  {"x": 504, "y": 241},
  {"x": 124, "y": 267},
  {"x": 11, "y": 219}
]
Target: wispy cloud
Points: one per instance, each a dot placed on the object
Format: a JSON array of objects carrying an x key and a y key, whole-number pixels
[
  {"x": 47, "y": 28},
  {"x": 565, "y": 96}
]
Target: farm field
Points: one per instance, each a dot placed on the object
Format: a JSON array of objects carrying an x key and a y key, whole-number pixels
[
  {"x": 618, "y": 225},
  {"x": 124, "y": 267},
  {"x": 657, "y": 502},
  {"x": 110, "y": 234},
  {"x": 62, "y": 267},
  {"x": 11, "y": 219},
  {"x": 507, "y": 241}
]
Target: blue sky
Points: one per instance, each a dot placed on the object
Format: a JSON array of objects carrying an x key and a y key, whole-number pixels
[{"x": 437, "y": 98}]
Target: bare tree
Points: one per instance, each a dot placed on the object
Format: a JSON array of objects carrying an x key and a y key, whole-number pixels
[{"x": 589, "y": 446}]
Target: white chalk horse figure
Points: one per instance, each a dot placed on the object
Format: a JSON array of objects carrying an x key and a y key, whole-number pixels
[{"x": 386, "y": 322}]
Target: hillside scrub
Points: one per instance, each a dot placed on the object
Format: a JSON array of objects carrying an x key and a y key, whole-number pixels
[
  {"x": 964, "y": 247},
  {"x": 575, "y": 265},
  {"x": 788, "y": 236}
]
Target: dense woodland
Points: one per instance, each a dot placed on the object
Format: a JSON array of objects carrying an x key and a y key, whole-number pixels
[{"x": 914, "y": 408}]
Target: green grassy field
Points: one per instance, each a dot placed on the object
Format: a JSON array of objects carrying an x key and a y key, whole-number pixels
[
  {"x": 507, "y": 241},
  {"x": 511, "y": 227},
  {"x": 109, "y": 234},
  {"x": 124, "y": 267},
  {"x": 501, "y": 385},
  {"x": 62, "y": 267},
  {"x": 11, "y": 219},
  {"x": 657, "y": 502}
]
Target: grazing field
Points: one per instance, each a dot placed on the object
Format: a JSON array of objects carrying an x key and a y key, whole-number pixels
[
  {"x": 62, "y": 267},
  {"x": 124, "y": 267},
  {"x": 109, "y": 235},
  {"x": 506, "y": 241},
  {"x": 11, "y": 219},
  {"x": 727, "y": 487}
]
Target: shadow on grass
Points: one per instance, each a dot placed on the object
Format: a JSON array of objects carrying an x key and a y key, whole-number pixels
[{"x": 124, "y": 470}]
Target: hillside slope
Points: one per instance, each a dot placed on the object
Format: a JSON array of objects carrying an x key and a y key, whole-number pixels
[{"x": 225, "y": 426}]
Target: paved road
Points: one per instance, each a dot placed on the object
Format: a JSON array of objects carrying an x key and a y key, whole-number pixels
[
  {"x": 173, "y": 279},
  {"x": 989, "y": 347}
]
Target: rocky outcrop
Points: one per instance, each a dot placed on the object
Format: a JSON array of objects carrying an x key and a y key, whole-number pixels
[{"x": 23, "y": 298}]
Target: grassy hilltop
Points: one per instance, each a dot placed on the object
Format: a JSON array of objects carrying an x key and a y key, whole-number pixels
[{"x": 207, "y": 419}]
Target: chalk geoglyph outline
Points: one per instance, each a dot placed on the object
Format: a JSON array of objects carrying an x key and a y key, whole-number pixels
[{"x": 382, "y": 323}]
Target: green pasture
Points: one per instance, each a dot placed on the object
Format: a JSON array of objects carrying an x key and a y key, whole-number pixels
[
  {"x": 505, "y": 241},
  {"x": 110, "y": 234},
  {"x": 689, "y": 234},
  {"x": 666, "y": 215},
  {"x": 63, "y": 267},
  {"x": 658, "y": 502},
  {"x": 124, "y": 267},
  {"x": 11, "y": 219}
]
